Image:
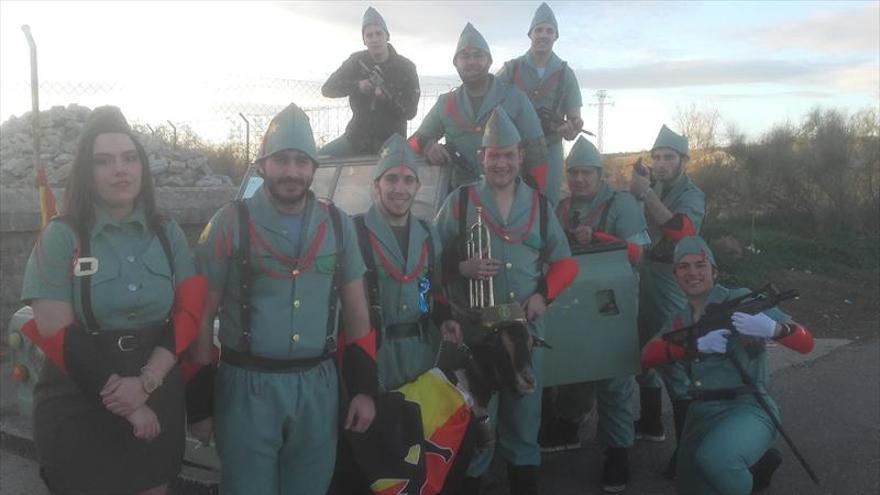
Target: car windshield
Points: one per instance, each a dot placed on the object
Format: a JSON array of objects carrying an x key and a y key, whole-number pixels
[{"x": 348, "y": 183}]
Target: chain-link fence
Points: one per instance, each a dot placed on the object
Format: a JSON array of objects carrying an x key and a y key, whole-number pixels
[{"x": 229, "y": 114}]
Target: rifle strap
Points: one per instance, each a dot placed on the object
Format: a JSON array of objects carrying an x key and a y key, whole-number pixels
[{"x": 371, "y": 277}]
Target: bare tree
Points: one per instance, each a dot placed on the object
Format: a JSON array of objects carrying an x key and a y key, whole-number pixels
[{"x": 699, "y": 124}]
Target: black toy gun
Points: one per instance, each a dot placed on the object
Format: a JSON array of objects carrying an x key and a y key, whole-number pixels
[
  {"x": 718, "y": 315},
  {"x": 377, "y": 79},
  {"x": 642, "y": 170},
  {"x": 550, "y": 121}
]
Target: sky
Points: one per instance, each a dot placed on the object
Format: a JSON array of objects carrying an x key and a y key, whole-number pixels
[{"x": 757, "y": 63}]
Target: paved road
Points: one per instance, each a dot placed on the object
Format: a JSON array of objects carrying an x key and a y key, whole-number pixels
[{"x": 830, "y": 404}]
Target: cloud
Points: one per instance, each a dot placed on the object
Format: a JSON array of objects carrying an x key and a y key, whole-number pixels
[
  {"x": 685, "y": 73},
  {"x": 854, "y": 30}
]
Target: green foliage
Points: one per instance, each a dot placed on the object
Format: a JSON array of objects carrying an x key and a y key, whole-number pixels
[
  {"x": 822, "y": 174},
  {"x": 780, "y": 245}
]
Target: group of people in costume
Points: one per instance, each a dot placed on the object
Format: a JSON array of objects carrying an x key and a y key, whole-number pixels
[{"x": 125, "y": 312}]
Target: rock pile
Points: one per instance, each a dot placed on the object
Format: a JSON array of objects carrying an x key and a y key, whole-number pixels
[{"x": 59, "y": 133}]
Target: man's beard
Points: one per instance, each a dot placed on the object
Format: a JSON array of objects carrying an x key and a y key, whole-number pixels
[{"x": 274, "y": 186}]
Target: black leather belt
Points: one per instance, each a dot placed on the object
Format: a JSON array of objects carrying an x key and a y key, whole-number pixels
[
  {"x": 719, "y": 394},
  {"x": 128, "y": 340},
  {"x": 247, "y": 360},
  {"x": 403, "y": 330}
]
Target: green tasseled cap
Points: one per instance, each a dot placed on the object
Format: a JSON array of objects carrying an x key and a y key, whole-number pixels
[
  {"x": 471, "y": 38},
  {"x": 372, "y": 16},
  {"x": 582, "y": 155},
  {"x": 395, "y": 153},
  {"x": 667, "y": 138},
  {"x": 289, "y": 130},
  {"x": 692, "y": 245},
  {"x": 500, "y": 131},
  {"x": 542, "y": 15}
]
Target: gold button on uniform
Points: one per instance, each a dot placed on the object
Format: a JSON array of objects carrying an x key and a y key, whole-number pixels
[
  {"x": 294, "y": 338},
  {"x": 296, "y": 303},
  {"x": 509, "y": 265}
]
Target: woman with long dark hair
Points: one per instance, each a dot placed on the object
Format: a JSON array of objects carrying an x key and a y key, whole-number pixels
[{"x": 115, "y": 300}]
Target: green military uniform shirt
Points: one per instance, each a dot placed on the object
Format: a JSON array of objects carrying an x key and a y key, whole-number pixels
[
  {"x": 133, "y": 286},
  {"x": 557, "y": 89},
  {"x": 288, "y": 312},
  {"x": 624, "y": 218},
  {"x": 520, "y": 273},
  {"x": 453, "y": 117},
  {"x": 402, "y": 360}
]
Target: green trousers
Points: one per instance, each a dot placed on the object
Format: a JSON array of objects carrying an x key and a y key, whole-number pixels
[
  {"x": 721, "y": 440},
  {"x": 402, "y": 360},
  {"x": 613, "y": 404},
  {"x": 516, "y": 421},
  {"x": 276, "y": 432}
]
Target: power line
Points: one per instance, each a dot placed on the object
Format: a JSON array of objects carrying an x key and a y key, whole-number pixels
[{"x": 602, "y": 96}]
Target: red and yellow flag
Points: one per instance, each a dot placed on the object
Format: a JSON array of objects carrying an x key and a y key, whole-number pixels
[{"x": 47, "y": 198}]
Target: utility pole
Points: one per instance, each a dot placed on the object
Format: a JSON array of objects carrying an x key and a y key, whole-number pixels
[{"x": 602, "y": 96}]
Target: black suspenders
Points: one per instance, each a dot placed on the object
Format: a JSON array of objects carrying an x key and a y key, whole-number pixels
[
  {"x": 242, "y": 257},
  {"x": 85, "y": 286}
]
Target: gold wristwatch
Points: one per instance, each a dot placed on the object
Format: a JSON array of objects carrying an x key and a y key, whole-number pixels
[{"x": 149, "y": 380}]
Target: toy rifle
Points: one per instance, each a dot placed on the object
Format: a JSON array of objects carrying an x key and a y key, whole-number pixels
[
  {"x": 377, "y": 79},
  {"x": 718, "y": 315},
  {"x": 550, "y": 121}
]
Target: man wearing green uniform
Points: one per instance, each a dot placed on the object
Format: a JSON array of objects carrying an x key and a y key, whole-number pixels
[
  {"x": 403, "y": 269},
  {"x": 382, "y": 87},
  {"x": 511, "y": 212},
  {"x": 596, "y": 214},
  {"x": 461, "y": 115},
  {"x": 553, "y": 90},
  {"x": 674, "y": 207},
  {"x": 725, "y": 446},
  {"x": 277, "y": 264}
]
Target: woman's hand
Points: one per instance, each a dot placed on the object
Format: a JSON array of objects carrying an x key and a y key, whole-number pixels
[
  {"x": 145, "y": 423},
  {"x": 122, "y": 396}
]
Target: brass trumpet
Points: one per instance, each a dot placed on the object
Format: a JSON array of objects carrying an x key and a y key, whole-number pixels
[
  {"x": 479, "y": 245},
  {"x": 481, "y": 293}
]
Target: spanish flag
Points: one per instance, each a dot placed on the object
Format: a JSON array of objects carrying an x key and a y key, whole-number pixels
[
  {"x": 47, "y": 197},
  {"x": 416, "y": 437}
]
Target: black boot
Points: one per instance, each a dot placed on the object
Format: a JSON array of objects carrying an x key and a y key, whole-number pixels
[
  {"x": 679, "y": 414},
  {"x": 615, "y": 473},
  {"x": 523, "y": 480},
  {"x": 763, "y": 470},
  {"x": 649, "y": 426}
]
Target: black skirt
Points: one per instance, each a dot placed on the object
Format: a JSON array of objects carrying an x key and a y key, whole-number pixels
[{"x": 83, "y": 448}]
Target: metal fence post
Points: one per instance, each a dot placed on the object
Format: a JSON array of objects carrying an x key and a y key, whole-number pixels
[
  {"x": 174, "y": 128},
  {"x": 247, "y": 139}
]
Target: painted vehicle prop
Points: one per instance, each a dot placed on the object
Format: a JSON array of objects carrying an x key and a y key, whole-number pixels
[{"x": 591, "y": 328}]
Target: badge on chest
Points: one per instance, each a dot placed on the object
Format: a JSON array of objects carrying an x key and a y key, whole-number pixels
[{"x": 85, "y": 266}]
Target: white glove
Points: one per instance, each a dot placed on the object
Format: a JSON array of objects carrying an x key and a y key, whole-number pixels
[
  {"x": 759, "y": 325},
  {"x": 714, "y": 342}
]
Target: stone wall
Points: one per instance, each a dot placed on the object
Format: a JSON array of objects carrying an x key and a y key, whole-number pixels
[
  {"x": 20, "y": 223},
  {"x": 60, "y": 127}
]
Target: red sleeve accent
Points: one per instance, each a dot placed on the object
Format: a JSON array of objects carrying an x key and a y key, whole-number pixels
[
  {"x": 659, "y": 352},
  {"x": 634, "y": 253},
  {"x": 189, "y": 306},
  {"x": 678, "y": 227},
  {"x": 799, "y": 339},
  {"x": 415, "y": 144},
  {"x": 190, "y": 368},
  {"x": 560, "y": 275},
  {"x": 539, "y": 174},
  {"x": 52, "y": 347},
  {"x": 604, "y": 237}
]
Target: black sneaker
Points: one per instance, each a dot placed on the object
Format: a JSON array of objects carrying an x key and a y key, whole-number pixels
[
  {"x": 615, "y": 473},
  {"x": 559, "y": 436},
  {"x": 649, "y": 431},
  {"x": 763, "y": 470}
]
